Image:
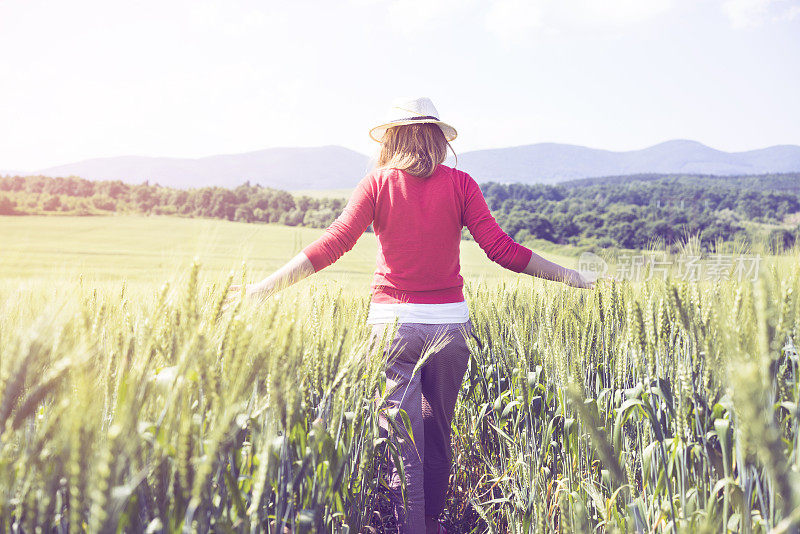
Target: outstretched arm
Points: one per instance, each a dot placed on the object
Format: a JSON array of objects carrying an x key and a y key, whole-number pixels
[
  {"x": 295, "y": 270},
  {"x": 337, "y": 239},
  {"x": 538, "y": 266}
]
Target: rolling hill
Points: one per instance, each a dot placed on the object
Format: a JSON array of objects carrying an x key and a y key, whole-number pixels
[
  {"x": 553, "y": 163},
  {"x": 335, "y": 167},
  {"x": 325, "y": 167}
]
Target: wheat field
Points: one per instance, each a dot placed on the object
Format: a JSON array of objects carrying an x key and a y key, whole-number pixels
[{"x": 138, "y": 404}]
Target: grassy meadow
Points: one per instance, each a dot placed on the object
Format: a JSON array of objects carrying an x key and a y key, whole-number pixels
[
  {"x": 150, "y": 250},
  {"x": 130, "y": 401}
]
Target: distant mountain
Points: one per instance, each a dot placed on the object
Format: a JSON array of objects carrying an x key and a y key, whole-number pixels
[
  {"x": 553, "y": 163},
  {"x": 326, "y": 167},
  {"x": 334, "y": 167}
]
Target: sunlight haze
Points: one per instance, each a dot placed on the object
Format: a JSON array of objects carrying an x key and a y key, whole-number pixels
[{"x": 188, "y": 79}]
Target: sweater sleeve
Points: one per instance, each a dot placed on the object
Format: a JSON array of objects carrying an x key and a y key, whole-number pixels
[
  {"x": 497, "y": 244},
  {"x": 343, "y": 233}
]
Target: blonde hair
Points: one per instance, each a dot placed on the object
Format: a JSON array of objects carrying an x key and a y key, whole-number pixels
[{"x": 415, "y": 148}]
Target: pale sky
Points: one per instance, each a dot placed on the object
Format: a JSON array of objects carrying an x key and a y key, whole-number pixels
[{"x": 85, "y": 79}]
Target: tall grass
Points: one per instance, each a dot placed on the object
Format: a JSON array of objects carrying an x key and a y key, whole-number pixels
[
  {"x": 656, "y": 406},
  {"x": 156, "y": 410}
]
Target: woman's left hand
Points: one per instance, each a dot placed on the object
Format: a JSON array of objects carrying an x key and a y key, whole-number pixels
[{"x": 576, "y": 279}]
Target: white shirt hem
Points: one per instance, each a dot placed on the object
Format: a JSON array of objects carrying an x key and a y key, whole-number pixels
[{"x": 409, "y": 312}]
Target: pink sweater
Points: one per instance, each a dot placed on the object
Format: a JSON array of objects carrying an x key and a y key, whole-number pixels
[{"x": 418, "y": 223}]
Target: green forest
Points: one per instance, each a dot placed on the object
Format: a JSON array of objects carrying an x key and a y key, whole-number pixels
[
  {"x": 37, "y": 195},
  {"x": 630, "y": 212},
  {"x": 633, "y": 211}
]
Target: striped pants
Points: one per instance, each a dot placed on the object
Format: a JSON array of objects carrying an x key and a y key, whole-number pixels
[{"x": 428, "y": 394}]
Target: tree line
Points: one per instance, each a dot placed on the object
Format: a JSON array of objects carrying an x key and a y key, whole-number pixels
[
  {"x": 626, "y": 212},
  {"x": 634, "y": 211},
  {"x": 247, "y": 203}
]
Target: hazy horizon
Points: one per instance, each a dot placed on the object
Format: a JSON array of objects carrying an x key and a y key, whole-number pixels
[{"x": 369, "y": 155}]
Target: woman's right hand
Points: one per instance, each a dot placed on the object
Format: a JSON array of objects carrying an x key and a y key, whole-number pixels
[{"x": 259, "y": 290}]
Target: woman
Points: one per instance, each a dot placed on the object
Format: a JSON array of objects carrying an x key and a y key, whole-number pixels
[{"x": 417, "y": 207}]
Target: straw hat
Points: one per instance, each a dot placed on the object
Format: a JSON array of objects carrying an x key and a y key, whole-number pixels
[{"x": 412, "y": 111}]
